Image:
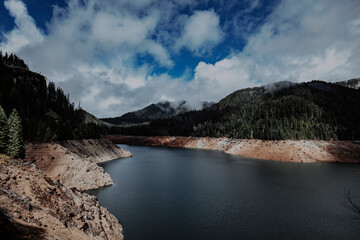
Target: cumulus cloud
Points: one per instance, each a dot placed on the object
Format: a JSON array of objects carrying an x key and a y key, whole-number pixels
[
  {"x": 220, "y": 79},
  {"x": 201, "y": 32},
  {"x": 25, "y": 33},
  {"x": 91, "y": 49},
  {"x": 300, "y": 41}
]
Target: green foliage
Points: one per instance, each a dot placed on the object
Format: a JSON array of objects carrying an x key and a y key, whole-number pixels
[
  {"x": 15, "y": 143},
  {"x": 314, "y": 110},
  {"x": 153, "y": 111},
  {"x": 46, "y": 111},
  {"x": 3, "y": 131}
]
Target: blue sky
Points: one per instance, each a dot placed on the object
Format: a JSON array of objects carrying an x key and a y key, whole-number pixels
[{"x": 120, "y": 55}]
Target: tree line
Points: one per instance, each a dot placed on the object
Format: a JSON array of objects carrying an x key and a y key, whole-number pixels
[
  {"x": 46, "y": 111},
  {"x": 313, "y": 110},
  {"x": 12, "y": 60}
]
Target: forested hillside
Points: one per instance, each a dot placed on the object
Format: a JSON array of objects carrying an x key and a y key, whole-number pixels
[
  {"x": 155, "y": 111},
  {"x": 351, "y": 83},
  {"x": 313, "y": 110},
  {"x": 45, "y": 110}
]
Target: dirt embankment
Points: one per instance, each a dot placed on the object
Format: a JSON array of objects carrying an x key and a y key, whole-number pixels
[
  {"x": 74, "y": 163},
  {"x": 96, "y": 150},
  {"x": 282, "y": 150},
  {"x": 33, "y": 206}
]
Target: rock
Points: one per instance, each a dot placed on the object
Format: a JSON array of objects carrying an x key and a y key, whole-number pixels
[{"x": 63, "y": 213}]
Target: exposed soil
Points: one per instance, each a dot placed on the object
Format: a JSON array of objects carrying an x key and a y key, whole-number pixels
[
  {"x": 74, "y": 163},
  {"x": 40, "y": 197},
  {"x": 96, "y": 150},
  {"x": 283, "y": 150},
  {"x": 33, "y": 206}
]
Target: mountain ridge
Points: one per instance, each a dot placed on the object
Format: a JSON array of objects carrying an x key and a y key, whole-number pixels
[
  {"x": 154, "y": 111},
  {"x": 309, "y": 110}
]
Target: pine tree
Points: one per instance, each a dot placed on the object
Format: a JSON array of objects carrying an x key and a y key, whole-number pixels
[
  {"x": 3, "y": 131},
  {"x": 15, "y": 144}
]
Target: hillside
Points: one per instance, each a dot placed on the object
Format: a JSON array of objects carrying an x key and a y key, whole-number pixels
[
  {"x": 45, "y": 110},
  {"x": 351, "y": 83},
  {"x": 312, "y": 110},
  {"x": 155, "y": 111},
  {"x": 34, "y": 206}
]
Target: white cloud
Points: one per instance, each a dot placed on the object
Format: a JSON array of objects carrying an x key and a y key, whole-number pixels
[
  {"x": 91, "y": 50},
  {"x": 25, "y": 33},
  {"x": 107, "y": 102},
  {"x": 202, "y": 31},
  {"x": 157, "y": 51},
  {"x": 222, "y": 78},
  {"x": 111, "y": 29},
  {"x": 301, "y": 41}
]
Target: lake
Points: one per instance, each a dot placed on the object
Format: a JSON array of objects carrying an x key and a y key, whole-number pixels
[{"x": 173, "y": 193}]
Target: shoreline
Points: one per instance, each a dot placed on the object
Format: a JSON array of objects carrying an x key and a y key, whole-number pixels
[
  {"x": 42, "y": 196},
  {"x": 75, "y": 162},
  {"x": 299, "y": 151},
  {"x": 35, "y": 206}
]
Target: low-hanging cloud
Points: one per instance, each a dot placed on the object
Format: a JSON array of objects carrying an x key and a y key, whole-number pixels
[{"x": 91, "y": 49}]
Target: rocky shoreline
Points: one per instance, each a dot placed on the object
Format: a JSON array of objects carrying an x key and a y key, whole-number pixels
[
  {"x": 41, "y": 197},
  {"x": 282, "y": 150},
  {"x": 36, "y": 207}
]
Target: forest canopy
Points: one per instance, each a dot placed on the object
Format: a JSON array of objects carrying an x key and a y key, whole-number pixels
[{"x": 313, "y": 110}]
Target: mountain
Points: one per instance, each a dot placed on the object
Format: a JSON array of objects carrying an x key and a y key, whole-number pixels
[
  {"x": 352, "y": 83},
  {"x": 45, "y": 110},
  {"x": 155, "y": 111},
  {"x": 312, "y": 110}
]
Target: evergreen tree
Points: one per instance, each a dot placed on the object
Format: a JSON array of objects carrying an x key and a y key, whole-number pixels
[
  {"x": 15, "y": 145},
  {"x": 3, "y": 131}
]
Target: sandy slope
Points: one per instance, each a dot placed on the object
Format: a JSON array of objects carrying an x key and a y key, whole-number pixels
[
  {"x": 285, "y": 150},
  {"x": 74, "y": 163},
  {"x": 96, "y": 150}
]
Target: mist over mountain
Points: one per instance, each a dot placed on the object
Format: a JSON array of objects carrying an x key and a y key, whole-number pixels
[
  {"x": 283, "y": 110},
  {"x": 277, "y": 86},
  {"x": 160, "y": 110},
  {"x": 351, "y": 83}
]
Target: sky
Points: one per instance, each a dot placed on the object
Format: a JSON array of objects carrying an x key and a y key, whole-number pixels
[{"x": 115, "y": 56}]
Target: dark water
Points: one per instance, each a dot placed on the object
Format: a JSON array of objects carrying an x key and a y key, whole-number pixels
[{"x": 165, "y": 193}]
